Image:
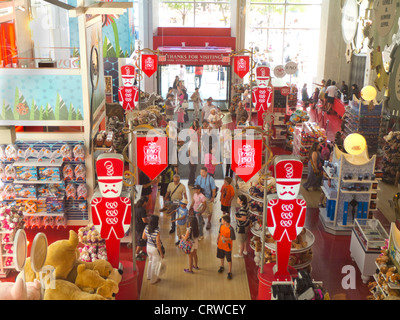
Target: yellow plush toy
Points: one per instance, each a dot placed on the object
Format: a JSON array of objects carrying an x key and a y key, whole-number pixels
[
  {"x": 61, "y": 254},
  {"x": 104, "y": 268},
  {"x": 90, "y": 281},
  {"x": 65, "y": 290}
]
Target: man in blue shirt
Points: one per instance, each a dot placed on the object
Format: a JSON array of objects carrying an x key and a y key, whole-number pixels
[
  {"x": 207, "y": 182},
  {"x": 181, "y": 215}
]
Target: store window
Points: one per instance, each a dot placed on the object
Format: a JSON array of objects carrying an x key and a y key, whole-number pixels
[
  {"x": 194, "y": 13},
  {"x": 286, "y": 30}
]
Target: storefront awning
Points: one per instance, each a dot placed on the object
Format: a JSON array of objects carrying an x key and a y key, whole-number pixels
[{"x": 195, "y": 56}]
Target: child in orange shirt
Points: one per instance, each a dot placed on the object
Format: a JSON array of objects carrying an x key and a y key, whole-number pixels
[
  {"x": 227, "y": 194},
  {"x": 225, "y": 239}
]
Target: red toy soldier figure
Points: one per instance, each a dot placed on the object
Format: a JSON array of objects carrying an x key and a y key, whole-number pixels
[
  {"x": 286, "y": 211},
  {"x": 111, "y": 213},
  {"x": 128, "y": 93},
  {"x": 262, "y": 94}
]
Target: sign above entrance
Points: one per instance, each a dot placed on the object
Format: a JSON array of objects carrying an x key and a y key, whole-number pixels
[{"x": 194, "y": 56}]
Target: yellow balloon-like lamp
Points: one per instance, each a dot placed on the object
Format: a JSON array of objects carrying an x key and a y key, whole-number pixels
[
  {"x": 368, "y": 93},
  {"x": 355, "y": 144}
]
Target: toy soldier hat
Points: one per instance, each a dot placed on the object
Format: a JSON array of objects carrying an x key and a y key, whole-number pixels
[
  {"x": 110, "y": 168},
  {"x": 288, "y": 171},
  {"x": 263, "y": 73},
  {"x": 128, "y": 71}
]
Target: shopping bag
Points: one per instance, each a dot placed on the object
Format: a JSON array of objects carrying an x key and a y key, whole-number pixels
[
  {"x": 161, "y": 267},
  {"x": 185, "y": 246}
]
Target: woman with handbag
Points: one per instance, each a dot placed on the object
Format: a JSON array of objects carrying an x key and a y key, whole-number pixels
[
  {"x": 192, "y": 235},
  {"x": 242, "y": 225},
  {"x": 314, "y": 176},
  {"x": 154, "y": 248}
]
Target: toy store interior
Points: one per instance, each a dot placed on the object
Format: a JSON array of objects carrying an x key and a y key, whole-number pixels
[{"x": 143, "y": 143}]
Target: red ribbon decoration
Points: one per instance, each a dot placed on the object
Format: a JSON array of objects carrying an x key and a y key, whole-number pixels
[
  {"x": 149, "y": 64},
  {"x": 152, "y": 155},
  {"x": 241, "y": 65}
]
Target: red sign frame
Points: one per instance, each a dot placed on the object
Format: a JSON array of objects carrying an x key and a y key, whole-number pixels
[{"x": 152, "y": 155}]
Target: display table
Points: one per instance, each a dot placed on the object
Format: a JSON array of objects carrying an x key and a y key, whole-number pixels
[{"x": 367, "y": 237}]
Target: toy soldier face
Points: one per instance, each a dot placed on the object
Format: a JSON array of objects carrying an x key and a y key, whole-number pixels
[
  {"x": 110, "y": 189},
  {"x": 287, "y": 192},
  {"x": 264, "y": 83},
  {"x": 128, "y": 82}
]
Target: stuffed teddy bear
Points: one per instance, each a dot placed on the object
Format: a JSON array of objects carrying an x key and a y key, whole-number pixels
[
  {"x": 90, "y": 281},
  {"x": 103, "y": 267},
  {"x": 61, "y": 254},
  {"x": 65, "y": 290},
  {"x": 15, "y": 290}
]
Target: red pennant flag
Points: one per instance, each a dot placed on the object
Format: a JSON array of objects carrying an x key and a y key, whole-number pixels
[
  {"x": 152, "y": 155},
  {"x": 247, "y": 157},
  {"x": 149, "y": 64},
  {"x": 241, "y": 65}
]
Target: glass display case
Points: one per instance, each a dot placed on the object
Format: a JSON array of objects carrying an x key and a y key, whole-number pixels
[{"x": 371, "y": 234}]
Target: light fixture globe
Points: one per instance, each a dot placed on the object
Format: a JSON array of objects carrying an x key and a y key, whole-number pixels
[
  {"x": 368, "y": 93},
  {"x": 355, "y": 144}
]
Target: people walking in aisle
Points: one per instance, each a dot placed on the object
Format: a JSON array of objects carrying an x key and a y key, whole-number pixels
[
  {"x": 175, "y": 85},
  {"x": 315, "y": 97},
  {"x": 141, "y": 222},
  {"x": 199, "y": 205},
  {"x": 180, "y": 218},
  {"x": 176, "y": 192},
  {"x": 181, "y": 117},
  {"x": 170, "y": 107},
  {"x": 147, "y": 190},
  {"x": 210, "y": 160},
  {"x": 241, "y": 112},
  {"x": 304, "y": 96},
  {"x": 221, "y": 77},
  {"x": 242, "y": 225},
  {"x": 154, "y": 250},
  {"x": 314, "y": 168},
  {"x": 182, "y": 73},
  {"x": 355, "y": 91},
  {"x": 167, "y": 176},
  {"x": 198, "y": 74},
  {"x": 226, "y": 236},
  {"x": 344, "y": 89},
  {"x": 195, "y": 97},
  {"x": 206, "y": 110},
  {"x": 193, "y": 152},
  {"x": 192, "y": 234},
  {"x": 331, "y": 92},
  {"x": 227, "y": 195},
  {"x": 227, "y": 152},
  {"x": 207, "y": 182}
]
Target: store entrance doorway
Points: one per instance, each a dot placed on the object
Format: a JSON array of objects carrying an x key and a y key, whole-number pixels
[{"x": 213, "y": 82}]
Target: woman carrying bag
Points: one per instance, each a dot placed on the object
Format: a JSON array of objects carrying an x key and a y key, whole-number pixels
[
  {"x": 242, "y": 225},
  {"x": 314, "y": 176},
  {"x": 192, "y": 235},
  {"x": 155, "y": 250}
]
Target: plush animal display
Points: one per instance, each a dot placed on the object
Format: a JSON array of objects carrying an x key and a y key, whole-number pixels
[
  {"x": 15, "y": 290},
  {"x": 65, "y": 290},
  {"x": 92, "y": 282},
  {"x": 61, "y": 254}
]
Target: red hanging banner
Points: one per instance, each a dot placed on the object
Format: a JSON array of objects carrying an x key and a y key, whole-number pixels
[
  {"x": 241, "y": 65},
  {"x": 152, "y": 155},
  {"x": 246, "y": 157},
  {"x": 149, "y": 64}
]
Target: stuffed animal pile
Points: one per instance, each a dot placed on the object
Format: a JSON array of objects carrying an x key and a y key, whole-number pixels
[
  {"x": 391, "y": 156},
  {"x": 94, "y": 246},
  {"x": 11, "y": 219},
  {"x": 387, "y": 278},
  {"x": 72, "y": 278}
]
